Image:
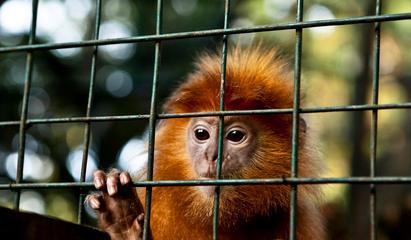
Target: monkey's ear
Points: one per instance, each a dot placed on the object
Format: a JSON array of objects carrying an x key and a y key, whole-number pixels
[{"x": 303, "y": 125}]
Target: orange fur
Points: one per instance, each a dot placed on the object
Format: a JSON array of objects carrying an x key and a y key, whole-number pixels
[{"x": 255, "y": 79}]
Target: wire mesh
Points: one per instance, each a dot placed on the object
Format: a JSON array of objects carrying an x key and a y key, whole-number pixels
[{"x": 294, "y": 181}]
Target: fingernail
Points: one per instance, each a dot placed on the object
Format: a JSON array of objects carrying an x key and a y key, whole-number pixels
[
  {"x": 123, "y": 179},
  {"x": 94, "y": 203},
  {"x": 112, "y": 189},
  {"x": 99, "y": 183}
]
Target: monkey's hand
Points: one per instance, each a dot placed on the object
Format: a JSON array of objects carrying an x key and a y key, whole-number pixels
[{"x": 119, "y": 211}]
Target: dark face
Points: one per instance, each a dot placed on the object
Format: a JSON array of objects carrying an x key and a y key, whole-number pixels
[{"x": 238, "y": 145}]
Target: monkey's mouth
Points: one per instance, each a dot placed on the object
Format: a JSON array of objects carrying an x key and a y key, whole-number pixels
[
  {"x": 209, "y": 176},
  {"x": 207, "y": 190},
  {"x": 205, "y": 178},
  {"x": 213, "y": 175},
  {"x": 209, "y": 171}
]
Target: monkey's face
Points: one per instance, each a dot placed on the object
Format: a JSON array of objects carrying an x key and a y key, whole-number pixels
[{"x": 238, "y": 145}]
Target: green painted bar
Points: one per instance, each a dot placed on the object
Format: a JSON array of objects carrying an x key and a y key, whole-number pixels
[
  {"x": 295, "y": 118},
  {"x": 349, "y": 108},
  {"x": 220, "y": 182},
  {"x": 221, "y": 121},
  {"x": 87, "y": 129},
  {"x": 214, "y": 32},
  {"x": 152, "y": 122},
  {"x": 374, "y": 121},
  {"x": 25, "y": 103}
]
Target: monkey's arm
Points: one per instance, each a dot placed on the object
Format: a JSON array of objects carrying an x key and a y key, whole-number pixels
[{"x": 119, "y": 211}]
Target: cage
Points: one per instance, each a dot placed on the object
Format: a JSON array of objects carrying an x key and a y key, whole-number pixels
[{"x": 78, "y": 124}]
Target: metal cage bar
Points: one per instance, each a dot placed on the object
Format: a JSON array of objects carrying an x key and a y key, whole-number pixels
[
  {"x": 296, "y": 120},
  {"x": 221, "y": 121},
  {"x": 374, "y": 121},
  {"x": 87, "y": 129},
  {"x": 152, "y": 121},
  {"x": 347, "y": 108},
  {"x": 213, "y": 32},
  {"x": 25, "y": 103},
  {"x": 221, "y": 182}
]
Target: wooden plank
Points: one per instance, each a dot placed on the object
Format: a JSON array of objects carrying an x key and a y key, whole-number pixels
[{"x": 31, "y": 226}]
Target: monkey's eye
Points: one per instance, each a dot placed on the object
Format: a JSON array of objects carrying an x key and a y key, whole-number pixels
[
  {"x": 201, "y": 134},
  {"x": 235, "y": 136}
]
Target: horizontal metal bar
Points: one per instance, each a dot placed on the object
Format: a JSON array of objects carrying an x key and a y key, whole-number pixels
[
  {"x": 222, "y": 182},
  {"x": 347, "y": 108},
  {"x": 213, "y": 32},
  {"x": 79, "y": 119}
]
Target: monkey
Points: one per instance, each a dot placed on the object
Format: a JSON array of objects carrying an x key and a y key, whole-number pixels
[{"x": 254, "y": 146}]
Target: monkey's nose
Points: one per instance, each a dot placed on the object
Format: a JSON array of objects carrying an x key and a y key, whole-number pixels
[
  {"x": 211, "y": 154},
  {"x": 215, "y": 156}
]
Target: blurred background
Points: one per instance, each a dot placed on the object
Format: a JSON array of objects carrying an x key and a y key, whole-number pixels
[{"x": 335, "y": 71}]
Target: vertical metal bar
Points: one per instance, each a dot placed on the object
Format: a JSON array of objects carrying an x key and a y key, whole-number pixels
[
  {"x": 25, "y": 103},
  {"x": 374, "y": 120},
  {"x": 221, "y": 122},
  {"x": 295, "y": 119},
  {"x": 152, "y": 121},
  {"x": 87, "y": 130}
]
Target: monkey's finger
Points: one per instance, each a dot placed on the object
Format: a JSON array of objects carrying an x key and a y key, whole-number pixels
[
  {"x": 113, "y": 179},
  {"x": 94, "y": 200},
  {"x": 99, "y": 179},
  {"x": 112, "y": 184},
  {"x": 125, "y": 178}
]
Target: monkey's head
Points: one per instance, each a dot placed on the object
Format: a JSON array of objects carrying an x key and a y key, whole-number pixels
[{"x": 254, "y": 146}]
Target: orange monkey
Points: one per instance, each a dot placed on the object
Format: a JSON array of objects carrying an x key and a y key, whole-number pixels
[{"x": 254, "y": 146}]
